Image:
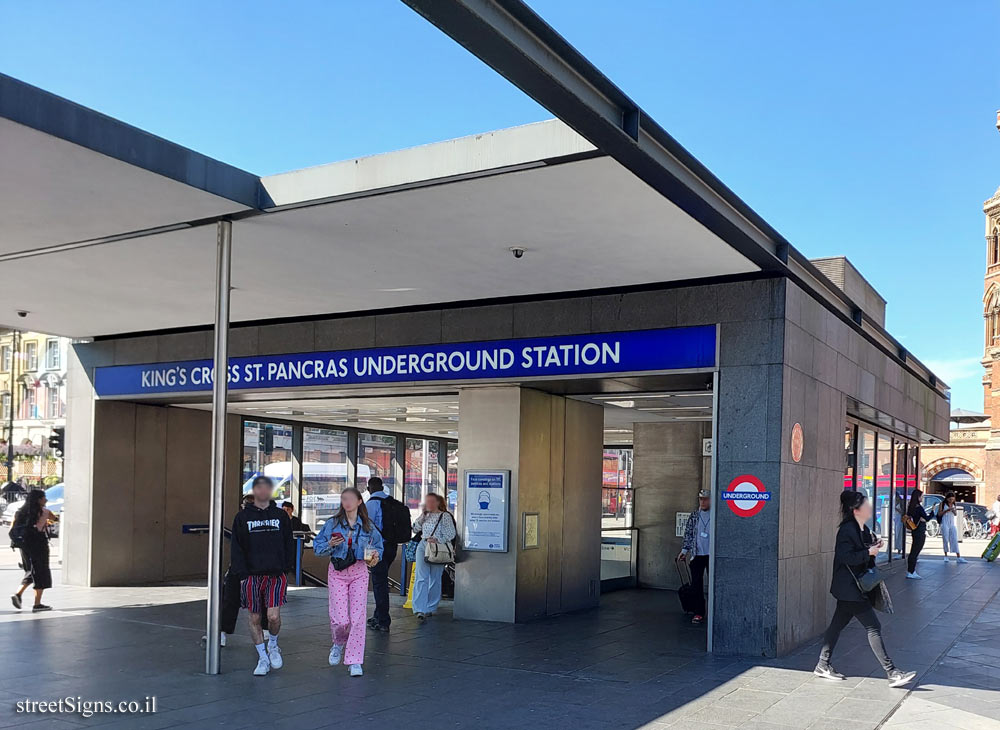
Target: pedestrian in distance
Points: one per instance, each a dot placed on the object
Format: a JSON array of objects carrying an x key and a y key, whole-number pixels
[
  {"x": 917, "y": 519},
  {"x": 435, "y": 526},
  {"x": 354, "y": 545},
  {"x": 995, "y": 520},
  {"x": 29, "y": 533},
  {"x": 947, "y": 515},
  {"x": 696, "y": 550},
  {"x": 262, "y": 552},
  {"x": 297, "y": 524},
  {"x": 392, "y": 519},
  {"x": 854, "y": 554}
]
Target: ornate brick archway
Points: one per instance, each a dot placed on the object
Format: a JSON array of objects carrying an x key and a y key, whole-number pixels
[{"x": 950, "y": 462}]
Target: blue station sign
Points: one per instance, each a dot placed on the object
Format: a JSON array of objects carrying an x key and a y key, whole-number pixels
[{"x": 556, "y": 357}]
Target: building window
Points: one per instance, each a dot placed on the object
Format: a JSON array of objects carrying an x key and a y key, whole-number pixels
[
  {"x": 28, "y": 407},
  {"x": 54, "y": 403},
  {"x": 5, "y": 358},
  {"x": 995, "y": 247},
  {"x": 5, "y": 406},
  {"x": 52, "y": 354},
  {"x": 31, "y": 356}
]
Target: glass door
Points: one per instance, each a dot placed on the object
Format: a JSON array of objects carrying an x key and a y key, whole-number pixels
[
  {"x": 422, "y": 472},
  {"x": 267, "y": 451},
  {"x": 324, "y": 473},
  {"x": 376, "y": 458}
]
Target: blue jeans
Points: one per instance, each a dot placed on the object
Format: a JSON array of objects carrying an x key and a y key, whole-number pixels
[{"x": 426, "y": 584}]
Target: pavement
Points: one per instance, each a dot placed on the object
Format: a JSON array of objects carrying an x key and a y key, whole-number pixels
[{"x": 633, "y": 663}]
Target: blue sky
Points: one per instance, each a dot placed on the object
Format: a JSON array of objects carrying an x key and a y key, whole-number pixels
[{"x": 856, "y": 128}]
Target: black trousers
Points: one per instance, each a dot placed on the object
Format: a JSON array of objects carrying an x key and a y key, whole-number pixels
[
  {"x": 380, "y": 583},
  {"x": 865, "y": 614},
  {"x": 699, "y": 569},
  {"x": 917, "y": 539}
]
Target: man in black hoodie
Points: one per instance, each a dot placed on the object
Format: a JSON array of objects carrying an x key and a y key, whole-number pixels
[{"x": 263, "y": 552}]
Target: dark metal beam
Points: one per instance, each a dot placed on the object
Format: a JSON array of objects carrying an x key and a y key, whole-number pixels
[{"x": 511, "y": 38}]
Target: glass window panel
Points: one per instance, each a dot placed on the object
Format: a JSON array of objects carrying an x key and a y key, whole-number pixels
[
  {"x": 422, "y": 473},
  {"x": 376, "y": 458},
  {"x": 850, "y": 433},
  {"x": 451, "y": 488},
  {"x": 324, "y": 473},
  {"x": 267, "y": 451},
  {"x": 616, "y": 489},
  {"x": 882, "y": 505}
]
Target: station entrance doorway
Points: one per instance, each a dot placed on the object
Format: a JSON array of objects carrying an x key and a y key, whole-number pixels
[{"x": 654, "y": 456}]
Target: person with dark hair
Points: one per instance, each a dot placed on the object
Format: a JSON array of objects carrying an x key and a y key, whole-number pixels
[
  {"x": 231, "y": 597},
  {"x": 947, "y": 515},
  {"x": 297, "y": 524},
  {"x": 854, "y": 554},
  {"x": 32, "y": 524},
  {"x": 354, "y": 545},
  {"x": 435, "y": 525},
  {"x": 389, "y": 515},
  {"x": 262, "y": 552},
  {"x": 917, "y": 519}
]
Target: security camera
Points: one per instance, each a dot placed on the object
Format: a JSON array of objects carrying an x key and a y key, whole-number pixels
[
  {"x": 517, "y": 251},
  {"x": 22, "y": 313}
]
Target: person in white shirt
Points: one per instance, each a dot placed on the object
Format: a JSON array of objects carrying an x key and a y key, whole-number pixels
[
  {"x": 995, "y": 522},
  {"x": 948, "y": 517}
]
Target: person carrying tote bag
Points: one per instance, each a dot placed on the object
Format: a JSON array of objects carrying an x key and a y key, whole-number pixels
[{"x": 437, "y": 530}]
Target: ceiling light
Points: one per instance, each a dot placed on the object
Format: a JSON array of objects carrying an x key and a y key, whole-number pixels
[{"x": 622, "y": 403}]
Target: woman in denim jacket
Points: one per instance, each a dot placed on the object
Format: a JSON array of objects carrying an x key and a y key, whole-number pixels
[{"x": 349, "y": 534}]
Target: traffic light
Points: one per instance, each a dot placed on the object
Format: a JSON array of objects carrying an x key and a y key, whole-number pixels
[{"x": 57, "y": 441}]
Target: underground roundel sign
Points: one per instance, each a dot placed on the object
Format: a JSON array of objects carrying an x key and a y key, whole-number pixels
[{"x": 746, "y": 495}]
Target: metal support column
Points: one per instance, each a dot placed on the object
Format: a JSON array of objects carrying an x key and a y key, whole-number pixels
[{"x": 220, "y": 391}]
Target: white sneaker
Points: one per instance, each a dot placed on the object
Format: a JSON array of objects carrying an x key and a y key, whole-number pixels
[
  {"x": 356, "y": 670},
  {"x": 913, "y": 576},
  {"x": 274, "y": 655},
  {"x": 222, "y": 638},
  {"x": 263, "y": 667},
  {"x": 336, "y": 654},
  {"x": 946, "y": 559},
  {"x": 961, "y": 560}
]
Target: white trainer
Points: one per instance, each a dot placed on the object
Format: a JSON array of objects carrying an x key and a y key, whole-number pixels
[
  {"x": 356, "y": 670},
  {"x": 946, "y": 559},
  {"x": 263, "y": 667},
  {"x": 336, "y": 654},
  {"x": 274, "y": 655},
  {"x": 961, "y": 560},
  {"x": 222, "y": 638},
  {"x": 913, "y": 576}
]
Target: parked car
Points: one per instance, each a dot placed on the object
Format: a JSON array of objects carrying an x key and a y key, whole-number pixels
[{"x": 54, "y": 502}]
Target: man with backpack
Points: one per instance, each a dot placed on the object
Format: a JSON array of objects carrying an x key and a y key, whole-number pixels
[{"x": 392, "y": 519}]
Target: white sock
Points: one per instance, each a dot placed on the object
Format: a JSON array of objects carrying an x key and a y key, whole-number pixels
[
  {"x": 272, "y": 641},
  {"x": 261, "y": 650}
]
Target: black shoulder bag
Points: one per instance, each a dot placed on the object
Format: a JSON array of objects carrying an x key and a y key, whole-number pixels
[{"x": 350, "y": 559}]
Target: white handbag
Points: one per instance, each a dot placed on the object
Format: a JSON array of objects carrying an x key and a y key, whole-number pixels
[{"x": 439, "y": 552}]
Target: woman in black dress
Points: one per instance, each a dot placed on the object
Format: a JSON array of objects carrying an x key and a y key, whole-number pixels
[
  {"x": 854, "y": 554},
  {"x": 34, "y": 517}
]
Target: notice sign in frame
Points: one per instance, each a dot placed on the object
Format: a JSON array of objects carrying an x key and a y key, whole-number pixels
[{"x": 486, "y": 508}]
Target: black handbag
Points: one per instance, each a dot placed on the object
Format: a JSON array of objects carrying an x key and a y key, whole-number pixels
[
  {"x": 348, "y": 560},
  {"x": 868, "y": 581}
]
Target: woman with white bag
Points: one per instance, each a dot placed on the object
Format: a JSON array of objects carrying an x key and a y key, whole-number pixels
[{"x": 436, "y": 549}]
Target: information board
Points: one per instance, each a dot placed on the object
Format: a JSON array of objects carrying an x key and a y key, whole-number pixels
[{"x": 487, "y": 494}]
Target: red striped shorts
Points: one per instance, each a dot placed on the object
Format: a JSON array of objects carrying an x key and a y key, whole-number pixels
[{"x": 260, "y": 592}]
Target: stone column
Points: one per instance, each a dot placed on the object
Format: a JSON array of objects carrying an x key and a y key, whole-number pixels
[{"x": 552, "y": 447}]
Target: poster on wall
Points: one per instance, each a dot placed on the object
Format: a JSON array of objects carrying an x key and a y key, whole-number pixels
[{"x": 487, "y": 493}]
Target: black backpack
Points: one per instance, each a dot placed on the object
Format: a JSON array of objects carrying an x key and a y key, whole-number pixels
[
  {"x": 396, "y": 526},
  {"x": 18, "y": 531}
]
